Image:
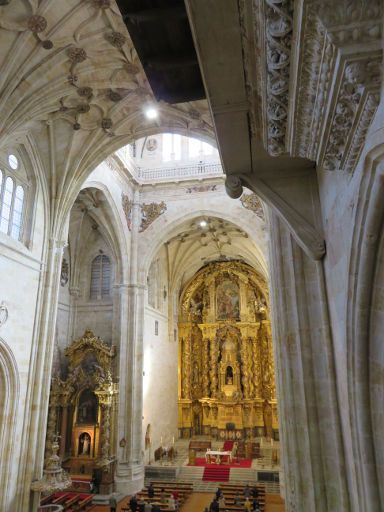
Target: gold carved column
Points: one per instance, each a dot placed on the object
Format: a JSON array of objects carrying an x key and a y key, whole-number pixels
[
  {"x": 267, "y": 366},
  {"x": 185, "y": 336},
  {"x": 246, "y": 359},
  {"x": 256, "y": 370},
  {"x": 213, "y": 371},
  {"x": 205, "y": 366}
]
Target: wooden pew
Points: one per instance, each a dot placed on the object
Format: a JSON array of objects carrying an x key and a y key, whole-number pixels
[
  {"x": 83, "y": 503},
  {"x": 72, "y": 501}
]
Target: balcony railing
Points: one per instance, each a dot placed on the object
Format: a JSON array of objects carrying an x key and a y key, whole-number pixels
[{"x": 199, "y": 170}]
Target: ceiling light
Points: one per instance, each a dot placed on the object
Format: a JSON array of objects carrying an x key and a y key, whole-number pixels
[
  {"x": 151, "y": 113},
  {"x": 203, "y": 223}
]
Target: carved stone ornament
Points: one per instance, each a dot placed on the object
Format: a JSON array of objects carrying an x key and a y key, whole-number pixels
[
  {"x": 336, "y": 88},
  {"x": 253, "y": 203},
  {"x": 278, "y": 42},
  {"x": 150, "y": 212},
  {"x": 201, "y": 188},
  {"x": 77, "y": 55},
  {"x": 3, "y": 313},
  {"x": 64, "y": 275},
  {"x": 37, "y": 24},
  {"x": 127, "y": 204}
]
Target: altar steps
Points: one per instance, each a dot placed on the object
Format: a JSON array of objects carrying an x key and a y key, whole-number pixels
[{"x": 216, "y": 473}]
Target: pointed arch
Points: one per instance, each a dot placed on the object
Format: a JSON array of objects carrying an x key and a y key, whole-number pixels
[{"x": 9, "y": 398}]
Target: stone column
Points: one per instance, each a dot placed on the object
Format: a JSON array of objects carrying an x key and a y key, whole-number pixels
[
  {"x": 74, "y": 293},
  {"x": 130, "y": 469},
  {"x": 312, "y": 448}
]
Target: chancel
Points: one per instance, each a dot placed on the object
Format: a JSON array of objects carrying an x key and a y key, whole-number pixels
[{"x": 191, "y": 255}]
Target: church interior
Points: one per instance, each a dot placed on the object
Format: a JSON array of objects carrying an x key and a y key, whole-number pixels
[{"x": 191, "y": 237}]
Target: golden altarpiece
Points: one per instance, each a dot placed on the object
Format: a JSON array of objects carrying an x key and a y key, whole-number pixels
[
  {"x": 83, "y": 410},
  {"x": 226, "y": 370}
]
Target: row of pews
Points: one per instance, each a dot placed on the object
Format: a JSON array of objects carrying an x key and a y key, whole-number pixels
[
  {"x": 230, "y": 491},
  {"x": 183, "y": 490},
  {"x": 70, "y": 501}
]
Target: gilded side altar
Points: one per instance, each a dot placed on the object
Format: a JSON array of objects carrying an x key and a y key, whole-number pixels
[{"x": 226, "y": 369}]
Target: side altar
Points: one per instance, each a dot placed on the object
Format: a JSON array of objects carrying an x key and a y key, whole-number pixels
[
  {"x": 83, "y": 410},
  {"x": 226, "y": 377}
]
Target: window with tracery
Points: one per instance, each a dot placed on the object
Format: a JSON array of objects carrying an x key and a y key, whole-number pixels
[
  {"x": 100, "y": 278},
  {"x": 12, "y": 199}
]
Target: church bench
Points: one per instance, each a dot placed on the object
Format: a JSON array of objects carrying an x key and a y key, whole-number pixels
[
  {"x": 71, "y": 501},
  {"x": 167, "y": 483},
  {"x": 45, "y": 500},
  {"x": 60, "y": 499},
  {"x": 83, "y": 504}
]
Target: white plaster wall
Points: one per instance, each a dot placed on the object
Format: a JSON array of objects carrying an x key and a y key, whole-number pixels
[{"x": 159, "y": 381}]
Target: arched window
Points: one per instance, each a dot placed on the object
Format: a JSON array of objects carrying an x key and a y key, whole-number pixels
[
  {"x": 100, "y": 277},
  {"x": 12, "y": 195},
  {"x": 171, "y": 147}
]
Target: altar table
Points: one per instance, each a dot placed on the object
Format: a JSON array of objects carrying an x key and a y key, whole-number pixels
[{"x": 217, "y": 454}]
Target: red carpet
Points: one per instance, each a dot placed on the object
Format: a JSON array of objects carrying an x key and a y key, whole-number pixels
[
  {"x": 228, "y": 445},
  {"x": 243, "y": 463},
  {"x": 216, "y": 473}
]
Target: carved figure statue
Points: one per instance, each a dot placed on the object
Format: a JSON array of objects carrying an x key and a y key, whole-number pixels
[{"x": 84, "y": 444}]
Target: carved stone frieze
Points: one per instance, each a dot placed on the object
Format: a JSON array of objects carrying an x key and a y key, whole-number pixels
[
  {"x": 253, "y": 203},
  {"x": 150, "y": 212},
  {"x": 350, "y": 113},
  {"x": 337, "y": 83}
]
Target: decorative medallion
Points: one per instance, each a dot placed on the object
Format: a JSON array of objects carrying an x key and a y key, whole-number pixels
[
  {"x": 114, "y": 96},
  {"x": 64, "y": 276},
  {"x": 150, "y": 212},
  {"x": 116, "y": 39},
  {"x": 85, "y": 92},
  {"x": 253, "y": 203},
  {"x": 151, "y": 145},
  {"x": 77, "y": 55},
  {"x": 127, "y": 208},
  {"x": 37, "y": 24}
]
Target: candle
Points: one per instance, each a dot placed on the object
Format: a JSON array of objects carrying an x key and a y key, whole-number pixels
[
  {"x": 161, "y": 440},
  {"x": 173, "y": 439}
]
